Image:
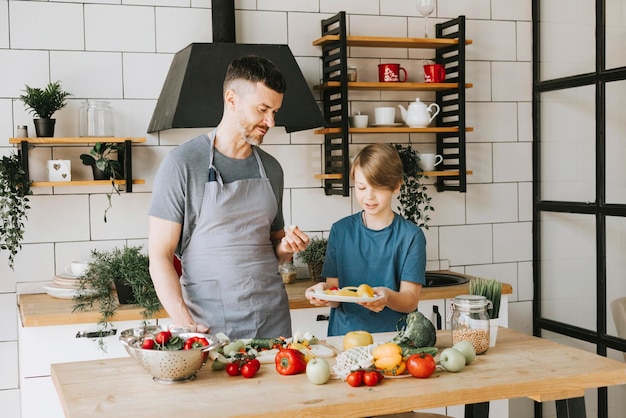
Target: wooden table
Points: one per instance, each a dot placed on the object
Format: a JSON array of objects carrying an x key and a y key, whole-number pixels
[{"x": 518, "y": 366}]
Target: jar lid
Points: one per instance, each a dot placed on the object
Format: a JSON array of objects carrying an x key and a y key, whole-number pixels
[
  {"x": 471, "y": 300},
  {"x": 21, "y": 126}
]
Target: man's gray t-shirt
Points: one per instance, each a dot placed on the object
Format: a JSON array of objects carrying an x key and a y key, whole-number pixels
[{"x": 179, "y": 184}]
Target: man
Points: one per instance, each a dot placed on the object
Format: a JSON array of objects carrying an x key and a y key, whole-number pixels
[{"x": 217, "y": 205}]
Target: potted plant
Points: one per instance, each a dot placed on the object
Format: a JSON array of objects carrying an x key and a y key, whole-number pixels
[
  {"x": 104, "y": 166},
  {"x": 414, "y": 199},
  {"x": 313, "y": 256},
  {"x": 43, "y": 103},
  {"x": 126, "y": 270},
  {"x": 491, "y": 289},
  {"x": 14, "y": 191}
]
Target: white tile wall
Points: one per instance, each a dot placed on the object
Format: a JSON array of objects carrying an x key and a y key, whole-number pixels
[
  {"x": 177, "y": 27},
  {"x": 134, "y": 28},
  {"x": 26, "y": 15},
  {"x": 121, "y": 51},
  {"x": 4, "y": 24}
]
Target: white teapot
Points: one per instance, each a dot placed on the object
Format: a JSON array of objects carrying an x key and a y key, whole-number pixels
[{"x": 419, "y": 115}]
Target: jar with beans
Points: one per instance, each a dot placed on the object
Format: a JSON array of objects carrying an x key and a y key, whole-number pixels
[{"x": 469, "y": 321}]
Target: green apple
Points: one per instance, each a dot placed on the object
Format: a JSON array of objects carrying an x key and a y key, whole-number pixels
[
  {"x": 318, "y": 371},
  {"x": 467, "y": 349},
  {"x": 452, "y": 360}
]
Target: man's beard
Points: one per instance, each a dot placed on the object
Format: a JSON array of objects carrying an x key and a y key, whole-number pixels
[{"x": 244, "y": 128}]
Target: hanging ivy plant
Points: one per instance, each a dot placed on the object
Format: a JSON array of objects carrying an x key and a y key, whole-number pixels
[
  {"x": 14, "y": 189},
  {"x": 414, "y": 199}
]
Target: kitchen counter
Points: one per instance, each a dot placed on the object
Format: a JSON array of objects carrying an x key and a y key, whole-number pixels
[
  {"x": 518, "y": 366},
  {"x": 42, "y": 310}
]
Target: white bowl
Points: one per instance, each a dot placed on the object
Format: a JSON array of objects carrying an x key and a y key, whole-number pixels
[{"x": 358, "y": 121}]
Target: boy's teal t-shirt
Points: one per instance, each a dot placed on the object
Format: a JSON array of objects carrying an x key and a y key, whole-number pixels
[{"x": 357, "y": 255}]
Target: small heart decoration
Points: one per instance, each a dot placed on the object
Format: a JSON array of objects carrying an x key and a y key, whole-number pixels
[
  {"x": 57, "y": 166},
  {"x": 64, "y": 175}
]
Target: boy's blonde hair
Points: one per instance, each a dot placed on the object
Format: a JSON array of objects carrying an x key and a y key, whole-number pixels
[{"x": 381, "y": 166}]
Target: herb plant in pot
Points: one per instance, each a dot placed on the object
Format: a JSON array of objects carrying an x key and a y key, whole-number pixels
[
  {"x": 313, "y": 256},
  {"x": 414, "y": 198},
  {"x": 126, "y": 270},
  {"x": 43, "y": 103},
  {"x": 14, "y": 191},
  {"x": 106, "y": 161}
]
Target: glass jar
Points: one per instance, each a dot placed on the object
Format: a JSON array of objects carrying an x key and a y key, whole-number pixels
[
  {"x": 21, "y": 131},
  {"x": 469, "y": 321},
  {"x": 288, "y": 271},
  {"x": 96, "y": 118},
  {"x": 352, "y": 73}
]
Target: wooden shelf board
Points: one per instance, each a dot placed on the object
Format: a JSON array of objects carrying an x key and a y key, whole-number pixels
[
  {"x": 405, "y": 86},
  {"x": 443, "y": 173},
  {"x": 391, "y": 130},
  {"x": 82, "y": 183},
  {"x": 73, "y": 141},
  {"x": 390, "y": 42}
]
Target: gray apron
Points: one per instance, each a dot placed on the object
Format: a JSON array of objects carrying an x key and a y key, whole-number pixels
[{"x": 230, "y": 278}]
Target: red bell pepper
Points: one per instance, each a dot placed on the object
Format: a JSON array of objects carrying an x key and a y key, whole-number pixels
[
  {"x": 290, "y": 361},
  {"x": 195, "y": 342}
]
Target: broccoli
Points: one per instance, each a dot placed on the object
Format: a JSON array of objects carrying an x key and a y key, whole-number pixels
[{"x": 418, "y": 332}]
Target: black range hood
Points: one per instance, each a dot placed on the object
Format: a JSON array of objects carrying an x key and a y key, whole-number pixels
[{"x": 192, "y": 95}]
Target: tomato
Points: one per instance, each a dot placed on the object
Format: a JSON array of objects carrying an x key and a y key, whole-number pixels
[
  {"x": 233, "y": 369},
  {"x": 371, "y": 378},
  {"x": 421, "y": 365},
  {"x": 163, "y": 337},
  {"x": 355, "y": 378},
  {"x": 248, "y": 370},
  {"x": 255, "y": 362},
  {"x": 148, "y": 343}
]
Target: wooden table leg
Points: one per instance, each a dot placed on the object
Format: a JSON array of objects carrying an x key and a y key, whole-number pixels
[
  {"x": 571, "y": 408},
  {"x": 478, "y": 410}
]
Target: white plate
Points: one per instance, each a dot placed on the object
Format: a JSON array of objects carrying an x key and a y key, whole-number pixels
[
  {"x": 63, "y": 292},
  {"x": 381, "y": 125},
  {"x": 337, "y": 298}
]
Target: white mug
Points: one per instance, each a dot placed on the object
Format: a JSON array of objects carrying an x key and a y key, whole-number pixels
[
  {"x": 385, "y": 115},
  {"x": 77, "y": 268},
  {"x": 429, "y": 161}
]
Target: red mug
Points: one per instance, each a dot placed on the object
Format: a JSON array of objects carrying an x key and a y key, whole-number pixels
[
  {"x": 434, "y": 73},
  {"x": 390, "y": 72}
]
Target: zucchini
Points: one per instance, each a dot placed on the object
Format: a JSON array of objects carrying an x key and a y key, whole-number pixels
[{"x": 265, "y": 343}]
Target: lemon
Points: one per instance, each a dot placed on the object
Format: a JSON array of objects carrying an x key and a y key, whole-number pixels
[{"x": 365, "y": 291}]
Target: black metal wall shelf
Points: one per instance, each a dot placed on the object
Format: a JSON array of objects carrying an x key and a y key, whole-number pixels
[{"x": 450, "y": 126}]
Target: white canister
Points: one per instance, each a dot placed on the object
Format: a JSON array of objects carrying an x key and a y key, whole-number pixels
[{"x": 96, "y": 118}]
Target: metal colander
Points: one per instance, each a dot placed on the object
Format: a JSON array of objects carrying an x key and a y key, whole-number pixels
[{"x": 167, "y": 366}]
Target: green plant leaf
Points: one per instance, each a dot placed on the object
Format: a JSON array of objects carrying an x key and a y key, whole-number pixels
[
  {"x": 413, "y": 197},
  {"x": 14, "y": 191},
  {"x": 44, "y": 102}
]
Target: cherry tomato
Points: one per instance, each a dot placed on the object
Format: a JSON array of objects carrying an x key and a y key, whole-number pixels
[
  {"x": 421, "y": 365},
  {"x": 233, "y": 369},
  {"x": 255, "y": 362},
  {"x": 355, "y": 378},
  {"x": 163, "y": 337},
  {"x": 148, "y": 343},
  {"x": 371, "y": 378},
  {"x": 248, "y": 370}
]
